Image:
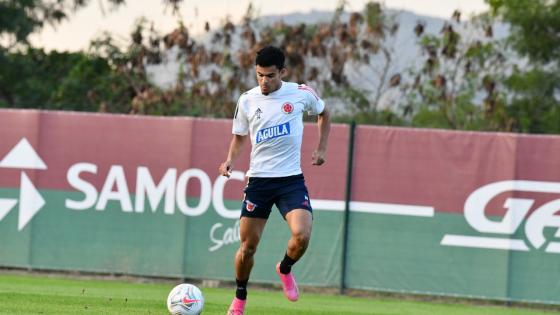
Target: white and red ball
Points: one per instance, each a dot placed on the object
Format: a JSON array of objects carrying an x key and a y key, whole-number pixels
[{"x": 185, "y": 299}]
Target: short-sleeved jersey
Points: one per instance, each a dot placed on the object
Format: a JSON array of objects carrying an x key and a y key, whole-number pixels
[{"x": 275, "y": 124}]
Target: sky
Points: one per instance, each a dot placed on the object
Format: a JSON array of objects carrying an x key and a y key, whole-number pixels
[{"x": 98, "y": 17}]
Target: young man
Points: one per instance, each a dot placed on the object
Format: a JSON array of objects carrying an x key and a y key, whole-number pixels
[{"x": 272, "y": 115}]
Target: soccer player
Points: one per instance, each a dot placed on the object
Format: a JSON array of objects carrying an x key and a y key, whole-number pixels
[{"x": 271, "y": 116}]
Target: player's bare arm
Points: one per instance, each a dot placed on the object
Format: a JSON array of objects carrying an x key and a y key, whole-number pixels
[
  {"x": 235, "y": 146},
  {"x": 324, "y": 124}
]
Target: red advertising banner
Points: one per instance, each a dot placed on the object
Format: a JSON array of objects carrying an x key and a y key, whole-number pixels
[{"x": 440, "y": 169}]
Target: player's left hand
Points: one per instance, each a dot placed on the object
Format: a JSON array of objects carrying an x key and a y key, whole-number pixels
[
  {"x": 225, "y": 169},
  {"x": 318, "y": 157}
]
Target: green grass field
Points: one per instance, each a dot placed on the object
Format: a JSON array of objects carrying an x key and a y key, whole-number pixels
[{"x": 41, "y": 294}]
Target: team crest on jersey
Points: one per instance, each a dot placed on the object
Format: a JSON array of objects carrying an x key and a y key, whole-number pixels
[
  {"x": 273, "y": 132},
  {"x": 250, "y": 206},
  {"x": 287, "y": 108}
]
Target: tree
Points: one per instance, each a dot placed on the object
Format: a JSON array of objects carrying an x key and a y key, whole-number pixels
[
  {"x": 33, "y": 78},
  {"x": 535, "y": 25},
  {"x": 459, "y": 84},
  {"x": 61, "y": 81},
  {"x": 534, "y": 89},
  {"x": 20, "y": 18}
]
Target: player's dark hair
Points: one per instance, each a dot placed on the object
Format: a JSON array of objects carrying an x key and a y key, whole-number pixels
[{"x": 270, "y": 56}]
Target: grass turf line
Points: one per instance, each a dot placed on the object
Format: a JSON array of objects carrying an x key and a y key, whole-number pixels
[{"x": 46, "y": 294}]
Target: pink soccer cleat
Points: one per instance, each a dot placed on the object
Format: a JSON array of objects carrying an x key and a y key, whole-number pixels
[
  {"x": 289, "y": 284},
  {"x": 237, "y": 307}
]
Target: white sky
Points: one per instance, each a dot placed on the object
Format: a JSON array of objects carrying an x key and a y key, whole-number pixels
[{"x": 90, "y": 22}]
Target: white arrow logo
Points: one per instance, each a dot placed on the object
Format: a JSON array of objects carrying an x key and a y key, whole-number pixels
[{"x": 23, "y": 156}]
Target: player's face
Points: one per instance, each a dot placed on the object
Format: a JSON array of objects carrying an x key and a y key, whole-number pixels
[{"x": 269, "y": 78}]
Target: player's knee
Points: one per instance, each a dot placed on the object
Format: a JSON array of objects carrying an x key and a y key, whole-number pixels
[
  {"x": 247, "y": 250},
  {"x": 302, "y": 238}
]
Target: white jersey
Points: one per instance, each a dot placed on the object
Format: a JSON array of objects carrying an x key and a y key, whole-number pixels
[{"x": 275, "y": 123}]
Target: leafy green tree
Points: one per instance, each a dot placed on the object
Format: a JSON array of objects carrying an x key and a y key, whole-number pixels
[
  {"x": 33, "y": 78},
  {"x": 534, "y": 89},
  {"x": 92, "y": 85},
  {"x": 458, "y": 85},
  {"x": 29, "y": 77},
  {"x": 61, "y": 81},
  {"x": 535, "y": 25},
  {"x": 20, "y": 18}
]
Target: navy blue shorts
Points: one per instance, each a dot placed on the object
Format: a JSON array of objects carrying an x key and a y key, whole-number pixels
[{"x": 287, "y": 193}]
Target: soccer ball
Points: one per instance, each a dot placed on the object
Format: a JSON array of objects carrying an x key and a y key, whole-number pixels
[{"x": 185, "y": 299}]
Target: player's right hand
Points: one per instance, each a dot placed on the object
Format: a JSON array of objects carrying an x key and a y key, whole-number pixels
[{"x": 225, "y": 169}]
